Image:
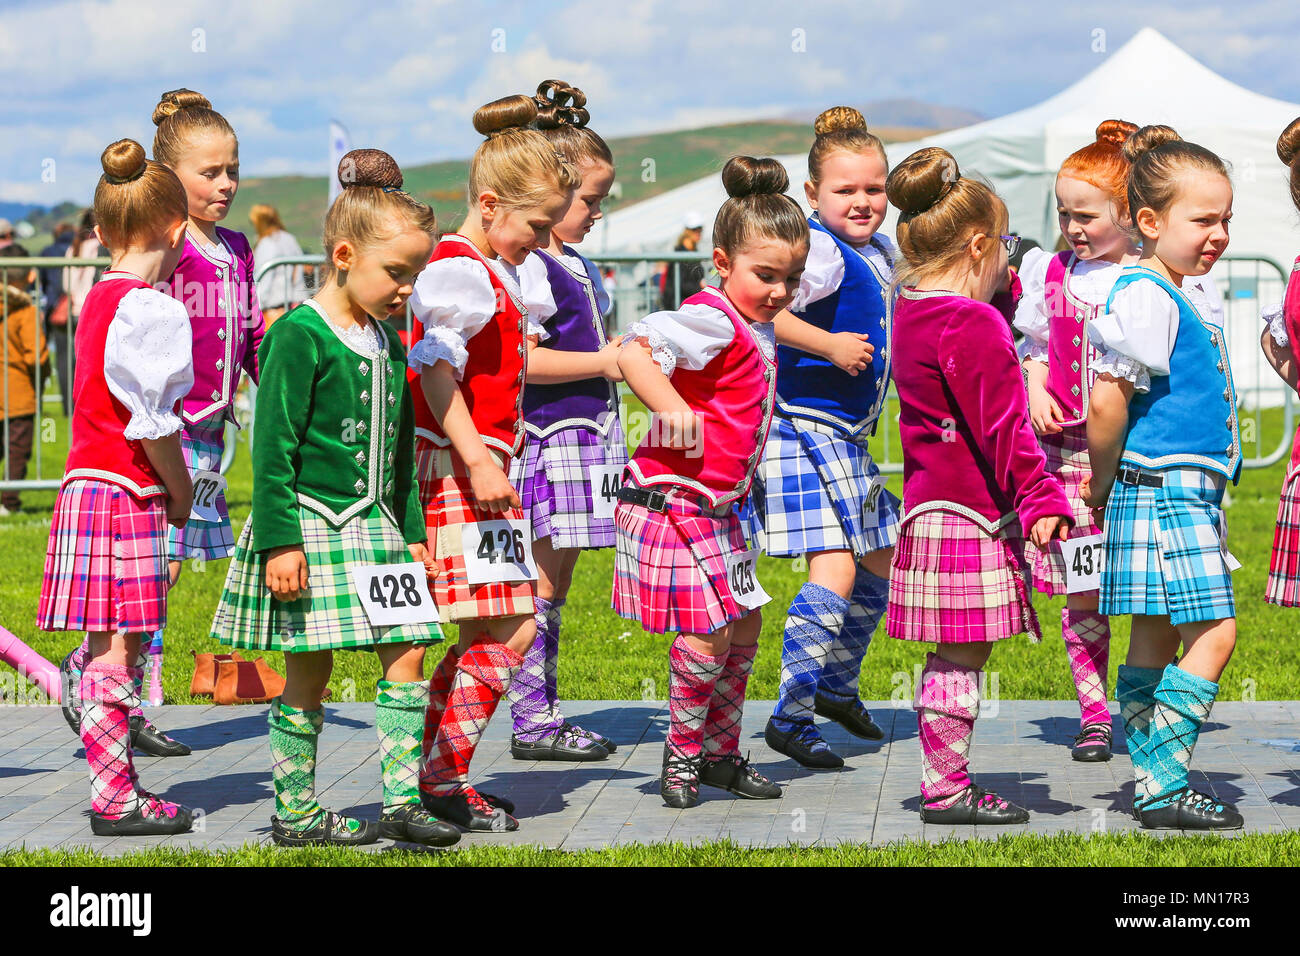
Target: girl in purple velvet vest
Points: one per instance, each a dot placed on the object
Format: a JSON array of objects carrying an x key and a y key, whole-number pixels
[
  {"x": 574, "y": 450},
  {"x": 708, "y": 372}
]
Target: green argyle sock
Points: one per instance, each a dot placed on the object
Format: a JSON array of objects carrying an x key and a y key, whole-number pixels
[
  {"x": 399, "y": 719},
  {"x": 294, "y": 734}
]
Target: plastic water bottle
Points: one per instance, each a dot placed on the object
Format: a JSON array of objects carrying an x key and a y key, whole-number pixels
[{"x": 154, "y": 694}]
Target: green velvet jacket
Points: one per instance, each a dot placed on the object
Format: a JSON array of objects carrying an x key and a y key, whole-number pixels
[{"x": 335, "y": 432}]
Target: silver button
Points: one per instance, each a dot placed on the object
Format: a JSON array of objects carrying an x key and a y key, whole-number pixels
[
  {"x": 361, "y": 457},
  {"x": 391, "y": 401},
  {"x": 1074, "y": 389},
  {"x": 1227, "y": 395},
  {"x": 363, "y": 368},
  {"x": 361, "y": 428},
  {"x": 391, "y": 428},
  {"x": 360, "y": 486},
  {"x": 519, "y": 378},
  {"x": 221, "y": 334},
  {"x": 1077, "y": 413},
  {"x": 519, "y": 426},
  {"x": 882, "y": 323},
  {"x": 1075, "y": 366},
  {"x": 365, "y": 398},
  {"x": 767, "y": 374},
  {"x": 390, "y": 459},
  {"x": 1077, "y": 341},
  {"x": 521, "y": 348},
  {"x": 388, "y": 488},
  {"x": 215, "y": 395},
  {"x": 221, "y": 364}
]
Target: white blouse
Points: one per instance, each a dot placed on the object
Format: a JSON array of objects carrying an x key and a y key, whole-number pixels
[
  {"x": 454, "y": 300},
  {"x": 1136, "y": 337},
  {"x": 1091, "y": 282},
  {"x": 1275, "y": 319},
  {"x": 692, "y": 336},
  {"x": 824, "y": 270},
  {"x": 148, "y": 362},
  {"x": 540, "y": 300}
]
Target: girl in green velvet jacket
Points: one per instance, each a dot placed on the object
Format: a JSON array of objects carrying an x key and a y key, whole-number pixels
[{"x": 334, "y": 498}]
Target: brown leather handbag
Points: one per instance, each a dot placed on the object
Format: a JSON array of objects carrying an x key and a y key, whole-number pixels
[
  {"x": 246, "y": 682},
  {"x": 204, "y": 681}
]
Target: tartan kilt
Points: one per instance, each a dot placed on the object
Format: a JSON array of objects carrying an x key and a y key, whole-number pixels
[
  {"x": 811, "y": 492},
  {"x": 1284, "y": 567},
  {"x": 329, "y": 616},
  {"x": 1163, "y": 549},
  {"x": 202, "y": 445},
  {"x": 952, "y": 582},
  {"x": 670, "y": 567},
  {"x": 106, "y": 562},
  {"x": 1067, "y": 460},
  {"x": 553, "y": 479},
  {"x": 446, "y": 496}
]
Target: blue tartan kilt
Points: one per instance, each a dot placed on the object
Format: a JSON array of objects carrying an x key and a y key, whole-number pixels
[
  {"x": 1165, "y": 552},
  {"x": 813, "y": 493}
]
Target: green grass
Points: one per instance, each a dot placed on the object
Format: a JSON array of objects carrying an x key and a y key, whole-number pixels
[{"x": 1132, "y": 850}]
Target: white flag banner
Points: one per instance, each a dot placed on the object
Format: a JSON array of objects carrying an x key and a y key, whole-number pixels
[{"x": 340, "y": 144}]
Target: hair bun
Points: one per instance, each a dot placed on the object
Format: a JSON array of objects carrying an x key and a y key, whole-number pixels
[
  {"x": 1115, "y": 131},
  {"x": 559, "y": 104},
  {"x": 509, "y": 112},
  {"x": 123, "y": 161},
  {"x": 1288, "y": 144},
  {"x": 369, "y": 167},
  {"x": 918, "y": 183},
  {"x": 747, "y": 176},
  {"x": 837, "y": 118},
  {"x": 173, "y": 101},
  {"x": 1147, "y": 139}
]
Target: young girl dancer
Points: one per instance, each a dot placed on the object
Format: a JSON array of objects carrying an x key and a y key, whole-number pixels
[
  {"x": 1062, "y": 294},
  {"x": 819, "y": 493},
  {"x": 1284, "y": 329},
  {"x": 973, "y": 473},
  {"x": 707, "y": 371},
  {"x": 572, "y": 429},
  {"x": 329, "y": 497},
  {"x": 468, "y": 358},
  {"x": 1163, "y": 421},
  {"x": 125, "y": 480},
  {"x": 214, "y": 281}
]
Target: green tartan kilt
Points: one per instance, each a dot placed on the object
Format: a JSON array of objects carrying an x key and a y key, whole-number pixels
[{"x": 329, "y": 615}]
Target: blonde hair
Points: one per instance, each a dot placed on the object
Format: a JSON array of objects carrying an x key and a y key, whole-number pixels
[
  {"x": 136, "y": 198},
  {"x": 515, "y": 162},
  {"x": 265, "y": 219},
  {"x": 372, "y": 197},
  {"x": 757, "y": 207},
  {"x": 1157, "y": 154},
  {"x": 939, "y": 210},
  {"x": 841, "y": 128},
  {"x": 182, "y": 116}
]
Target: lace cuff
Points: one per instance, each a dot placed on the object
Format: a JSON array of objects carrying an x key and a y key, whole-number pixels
[
  {"x": 661, "y": 349},
  {"x": 1276, "y": 320},
  {"x": 152, "y": 424},
  {"x": 1031, "y": 348},
  {"x": 537, "y": 329},
  {"x": 439, "y": 344},
  {"x": 1120, "y": 365}
]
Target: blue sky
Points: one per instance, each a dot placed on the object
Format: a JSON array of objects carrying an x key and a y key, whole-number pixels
[{"x": 406, "y": 75}]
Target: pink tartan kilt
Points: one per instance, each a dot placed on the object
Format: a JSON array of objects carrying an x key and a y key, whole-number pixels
[
  {"x": 446, "y": 497},
  {"x": 106, "y": 564},
  {"x": 1067, "y": 459},
  {"x": 1284, "y": 568},
  {"x": 670, "y": 568},
  {"x": 951, "y": 582}
]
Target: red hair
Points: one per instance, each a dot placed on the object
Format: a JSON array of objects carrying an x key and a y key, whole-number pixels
[{"x": 1102, "y": 163}]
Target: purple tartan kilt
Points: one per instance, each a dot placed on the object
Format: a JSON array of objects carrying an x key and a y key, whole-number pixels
[
  {"x": 952, "y": 582},
  {"x": 1067, "y": 460},
  {"x": 553, "y": 478}
]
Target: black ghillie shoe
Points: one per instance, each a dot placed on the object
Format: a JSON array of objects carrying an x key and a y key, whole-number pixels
[
  {"x": 330, "y": 830},
  {"x": 1092, "y": 744},
  {"x": 148, "y": 819},
  {"x": 411, "y": 823},
  {"x": 679, "y": 782},
  {"x": 148, "y": 739},
  {"x": 1191, "y": 810},
  {"x": 564, "y": 744},
  {"x": 976, "y": 805},
  {"x": 737, "y": 775},
  {"x": 469, "y": 809},
  {"x": 852, "y": 715},
  {"x": 803, "y": 744}
]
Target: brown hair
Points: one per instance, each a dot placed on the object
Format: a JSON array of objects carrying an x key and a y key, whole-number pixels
[
  {"x": 181, "y": 117},
  {"x": 1288, "y": 150},
  {"x": 758, "y": 207},
  {"x": 137, "y": 198},
  {"x": 939, "y": 210},
  {"x": 1157, "y": 154},
  {"x": 371, "y": 198},
  {"x": 1102, "y": 163},
  {"x": 840, "y": 128},
  {"x": 517, "y": 163},
  {"x": 265, "y": 219},
  {"x": 562, "y": 118}
]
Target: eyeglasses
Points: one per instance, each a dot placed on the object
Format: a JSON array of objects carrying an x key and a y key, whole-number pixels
[{"x": 1012, "y": 243}]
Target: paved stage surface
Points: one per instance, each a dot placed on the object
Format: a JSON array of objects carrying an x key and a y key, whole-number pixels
[{"x": 1249, "y": 754}]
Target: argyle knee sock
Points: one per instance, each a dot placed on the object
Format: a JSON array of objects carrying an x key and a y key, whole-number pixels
[
  {"x": 867, "y": 603},
  {"x": 691, "y": 679},
  {"x": 1087, "y": 641},
  {"x": 141, "y": 665},
  {"x": 293, "y": 737},
  {"x": 106, "y": 694},
  {"x": 439, "y": 688},
  {"x": 1135, "y": 689},
  {"x": 77, "y": 662},
  {"x": 482, "y": 678},
  {"x": 947, "y": 705},
  {"x": 727, "y": 705},
  {"x": 399, "y": 721},
  {"x": 815, "y": 618},
  {"x": 1183, "y": 703},
  {"x": 550, "y": 630},
  {"x": 529, "y": 703}
]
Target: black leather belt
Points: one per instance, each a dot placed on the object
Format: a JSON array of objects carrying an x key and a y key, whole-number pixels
[
  {"x": 654, "y": 500},
  {"x": 1136, "y": 476}
]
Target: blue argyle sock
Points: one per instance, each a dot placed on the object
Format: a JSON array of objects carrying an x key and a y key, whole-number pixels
[
  {"x": 867, "y": 604},
  {"x": 815, "y": 618},
  {"x": 1135, "y": 689},
  {"x": 1183, "y": 703}
]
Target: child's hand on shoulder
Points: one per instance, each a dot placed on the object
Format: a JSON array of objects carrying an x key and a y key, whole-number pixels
[
  {"x": 850, "y": 351},
  {"x": 1045, "y": 529},
  {"x": 180, "y": 502},
  {"x": 286, "y": 572},
  {"x": 419, "y": 552},
  {"x": 609, "y": 359},
  {"x": 492, "y": 489}
]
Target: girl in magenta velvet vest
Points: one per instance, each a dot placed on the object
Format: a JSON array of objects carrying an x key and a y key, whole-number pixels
[{"x": 708, "y": 373}]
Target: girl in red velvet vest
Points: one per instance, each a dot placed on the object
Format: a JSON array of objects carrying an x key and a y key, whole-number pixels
[
  {"x": 467, "y": 365},
  {"x": 708, "y": 373},
  {"x": 125, "y": 479}
]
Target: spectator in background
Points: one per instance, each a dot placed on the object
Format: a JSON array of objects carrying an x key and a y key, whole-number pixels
[
  {"x": 282, "y": 288},
  {"x": 77, "y": 283},
  {"x": 55, "y": 306},
  {"x": 26, "y": 365},
  {"x": 6, "y": 233},
  {"x": 688, "y": 276}
]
